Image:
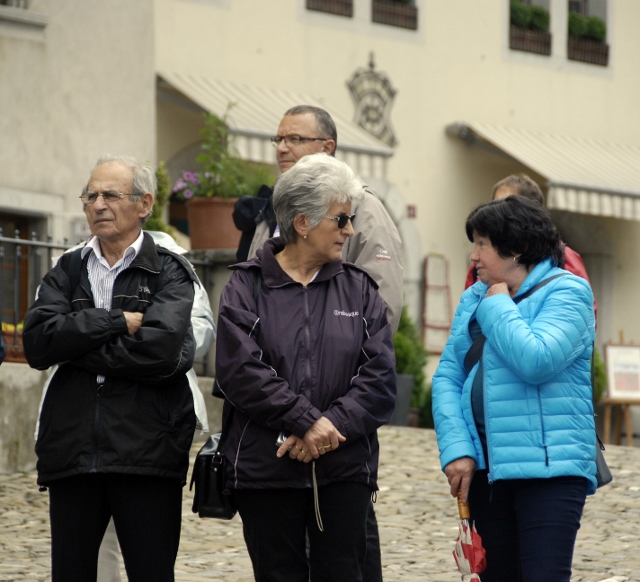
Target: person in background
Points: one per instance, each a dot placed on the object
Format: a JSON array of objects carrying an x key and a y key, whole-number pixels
[
  {"x": 515, "y": 429},
  {"x": 204, "y": 332},
  {"x": 375, "y": 245},
  {"x": 524, "y": 186},
  {"x": 118, "y": 418},
  {"x": 313, "y": 358}
]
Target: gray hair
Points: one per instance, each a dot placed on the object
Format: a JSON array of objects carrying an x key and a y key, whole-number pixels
[
  {"x": 311, "y": 187},
  {"x": 143, "y": 181}
]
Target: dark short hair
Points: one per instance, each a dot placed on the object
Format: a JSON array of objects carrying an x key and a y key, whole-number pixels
[
  {"x": 517, "y": 226},
  {"x": 522, "y": 185},
  {"x": 326, "y": 125}
]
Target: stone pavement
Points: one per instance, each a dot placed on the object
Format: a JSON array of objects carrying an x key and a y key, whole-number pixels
[{"x": 417, "y": 518}]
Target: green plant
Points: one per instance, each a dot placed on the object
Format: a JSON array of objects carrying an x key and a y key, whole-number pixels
[
  {"x": 599, "y": 376},
  {"x": 519, "y": 14},
  {"x": 411, "y": 357},
  {"x": 529, "y": 16},
  {"x": 539, "y": 18},
  {"x": 596, "y": 29},
  {"x": 577, "y": 25},
  {"x": 156, "y": 221},
  {"x": 590, "y": 27},
  {"x": 223, "y": 174}
]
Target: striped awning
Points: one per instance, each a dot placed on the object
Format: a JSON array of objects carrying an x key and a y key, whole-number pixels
[
  {"x": 256, "y": 113},
  {"x": 584, "y": 176}
]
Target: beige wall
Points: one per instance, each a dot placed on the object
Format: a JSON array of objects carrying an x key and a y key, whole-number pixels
[
  {"x": 456, "y": 67},
  {"x": 79, "y": 85}
]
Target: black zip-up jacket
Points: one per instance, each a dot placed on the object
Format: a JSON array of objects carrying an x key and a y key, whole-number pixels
[
  {"x": 301, "y": 353},
  {"x": 141, "y": 419}
]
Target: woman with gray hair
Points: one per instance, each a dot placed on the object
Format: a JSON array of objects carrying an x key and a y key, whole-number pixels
[{"x": 305, "y": 362}]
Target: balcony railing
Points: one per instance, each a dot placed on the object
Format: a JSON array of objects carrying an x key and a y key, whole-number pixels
[
  {"x": 339, "y": 7},
  {"x": 394, "y": 14},
  {"x": 531, "y": 41},
  {"x": 588, "y": 51}
]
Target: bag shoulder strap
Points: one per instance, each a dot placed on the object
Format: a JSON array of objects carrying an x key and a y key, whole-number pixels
[
  {"x": 72, "y": 264},
  {"x": 475, "y": 351}
]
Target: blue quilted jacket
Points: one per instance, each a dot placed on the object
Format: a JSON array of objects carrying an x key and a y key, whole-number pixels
[{"x": 537, "y": 381}]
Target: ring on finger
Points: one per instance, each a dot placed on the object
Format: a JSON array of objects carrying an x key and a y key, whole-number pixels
[{"x": 326, "y": 446}]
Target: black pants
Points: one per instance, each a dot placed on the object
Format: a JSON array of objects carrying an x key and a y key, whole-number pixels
[
  {"x": 372, "y": 567},
  {"x": 276, "y": 522},
  {"x": 147, "y": 513},
  {"x": 528, "y": 526}
]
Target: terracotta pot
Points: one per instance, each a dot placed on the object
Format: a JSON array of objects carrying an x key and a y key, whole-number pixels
[{"x": 211, "y": 225}]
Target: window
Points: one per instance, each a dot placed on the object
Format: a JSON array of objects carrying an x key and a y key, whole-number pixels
[
  {"x": 339, "y": 7},
  {"x": 529, "y": 27},
  {"x": 401, "y": 13},
  {"x": 587, "y": 40}
]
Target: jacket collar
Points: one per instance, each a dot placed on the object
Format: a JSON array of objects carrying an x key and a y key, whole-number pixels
[
  {"x": 148, "y": 257},
  {"x": 540, "y": 272},
  {"x": 272, "y": 273}
]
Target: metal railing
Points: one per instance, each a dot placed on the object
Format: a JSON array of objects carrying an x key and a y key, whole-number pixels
[{"x": 23, "y": 264}]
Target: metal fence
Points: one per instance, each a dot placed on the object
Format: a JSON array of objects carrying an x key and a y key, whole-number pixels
[{"x": 23, "y": 264}]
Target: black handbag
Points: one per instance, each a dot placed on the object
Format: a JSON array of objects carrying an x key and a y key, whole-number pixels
[{"x": 210, "y": 498}]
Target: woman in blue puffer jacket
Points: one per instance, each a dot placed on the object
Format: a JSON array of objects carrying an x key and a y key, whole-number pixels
[{"x": 516, "y": 432}]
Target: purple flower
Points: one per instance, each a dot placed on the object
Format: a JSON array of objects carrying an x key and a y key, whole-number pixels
[{"x": 188, "y": 193}]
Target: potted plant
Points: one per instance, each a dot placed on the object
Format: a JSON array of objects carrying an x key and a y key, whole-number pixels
[
  {"x": 411, "y": 358},
  {"x": 211, "y": 193}
]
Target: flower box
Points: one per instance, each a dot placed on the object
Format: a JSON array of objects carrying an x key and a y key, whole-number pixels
[
  {"x": 531, "y": 41},
  {"x": 588, "y": 51}
]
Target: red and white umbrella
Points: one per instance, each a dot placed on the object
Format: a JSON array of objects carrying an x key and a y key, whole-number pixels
[{"x": 469, "y": 554}]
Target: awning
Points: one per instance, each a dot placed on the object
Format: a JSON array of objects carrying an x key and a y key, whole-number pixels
[
  {"x": 256, "y": 114},
  {"x": 584, "y": 176}
]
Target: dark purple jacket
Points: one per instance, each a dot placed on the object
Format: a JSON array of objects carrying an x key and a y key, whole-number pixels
[{"x": 302, "y": 353}]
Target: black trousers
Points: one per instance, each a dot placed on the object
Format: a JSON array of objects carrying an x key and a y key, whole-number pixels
[
  {"x": 372, "y": 567},
  {"x": 276, "y": 522},
  {"x": 528, "y": 526},
  {"x": 147, "y": 513}
]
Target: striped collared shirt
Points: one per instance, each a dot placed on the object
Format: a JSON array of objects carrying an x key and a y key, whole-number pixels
[{"x": 102, "y": 276}]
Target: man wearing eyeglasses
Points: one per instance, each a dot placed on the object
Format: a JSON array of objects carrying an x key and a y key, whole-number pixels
[
  {"x": 118, "y": 417},
  {"x": 375, "y": 246}
]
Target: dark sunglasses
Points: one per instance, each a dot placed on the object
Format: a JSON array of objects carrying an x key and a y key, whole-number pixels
[{"x": 342, "y": 219}]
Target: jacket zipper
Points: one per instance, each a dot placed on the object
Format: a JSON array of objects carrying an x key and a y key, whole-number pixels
[
  {"x": 544, "y": 443},
  {"x": 307, "y": 334},
  {"x": 96, "y": 454}
]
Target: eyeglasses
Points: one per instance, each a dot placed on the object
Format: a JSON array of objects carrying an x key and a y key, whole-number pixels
[
  {"x": 294, "y": 140},
  {"x": 342, "y": 219},
  {"x": 108, "y": 196}
]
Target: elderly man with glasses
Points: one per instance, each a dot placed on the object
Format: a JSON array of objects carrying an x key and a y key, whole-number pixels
[
  {"x": 375, "y": 246},
  {"x": 118, "y": 417}
]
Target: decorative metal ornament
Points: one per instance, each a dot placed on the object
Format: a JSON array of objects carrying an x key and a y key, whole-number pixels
[{"x": 373, "y": 95}]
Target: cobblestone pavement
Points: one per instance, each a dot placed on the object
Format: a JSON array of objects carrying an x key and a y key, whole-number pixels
[{"x": 417, "y": 518}]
